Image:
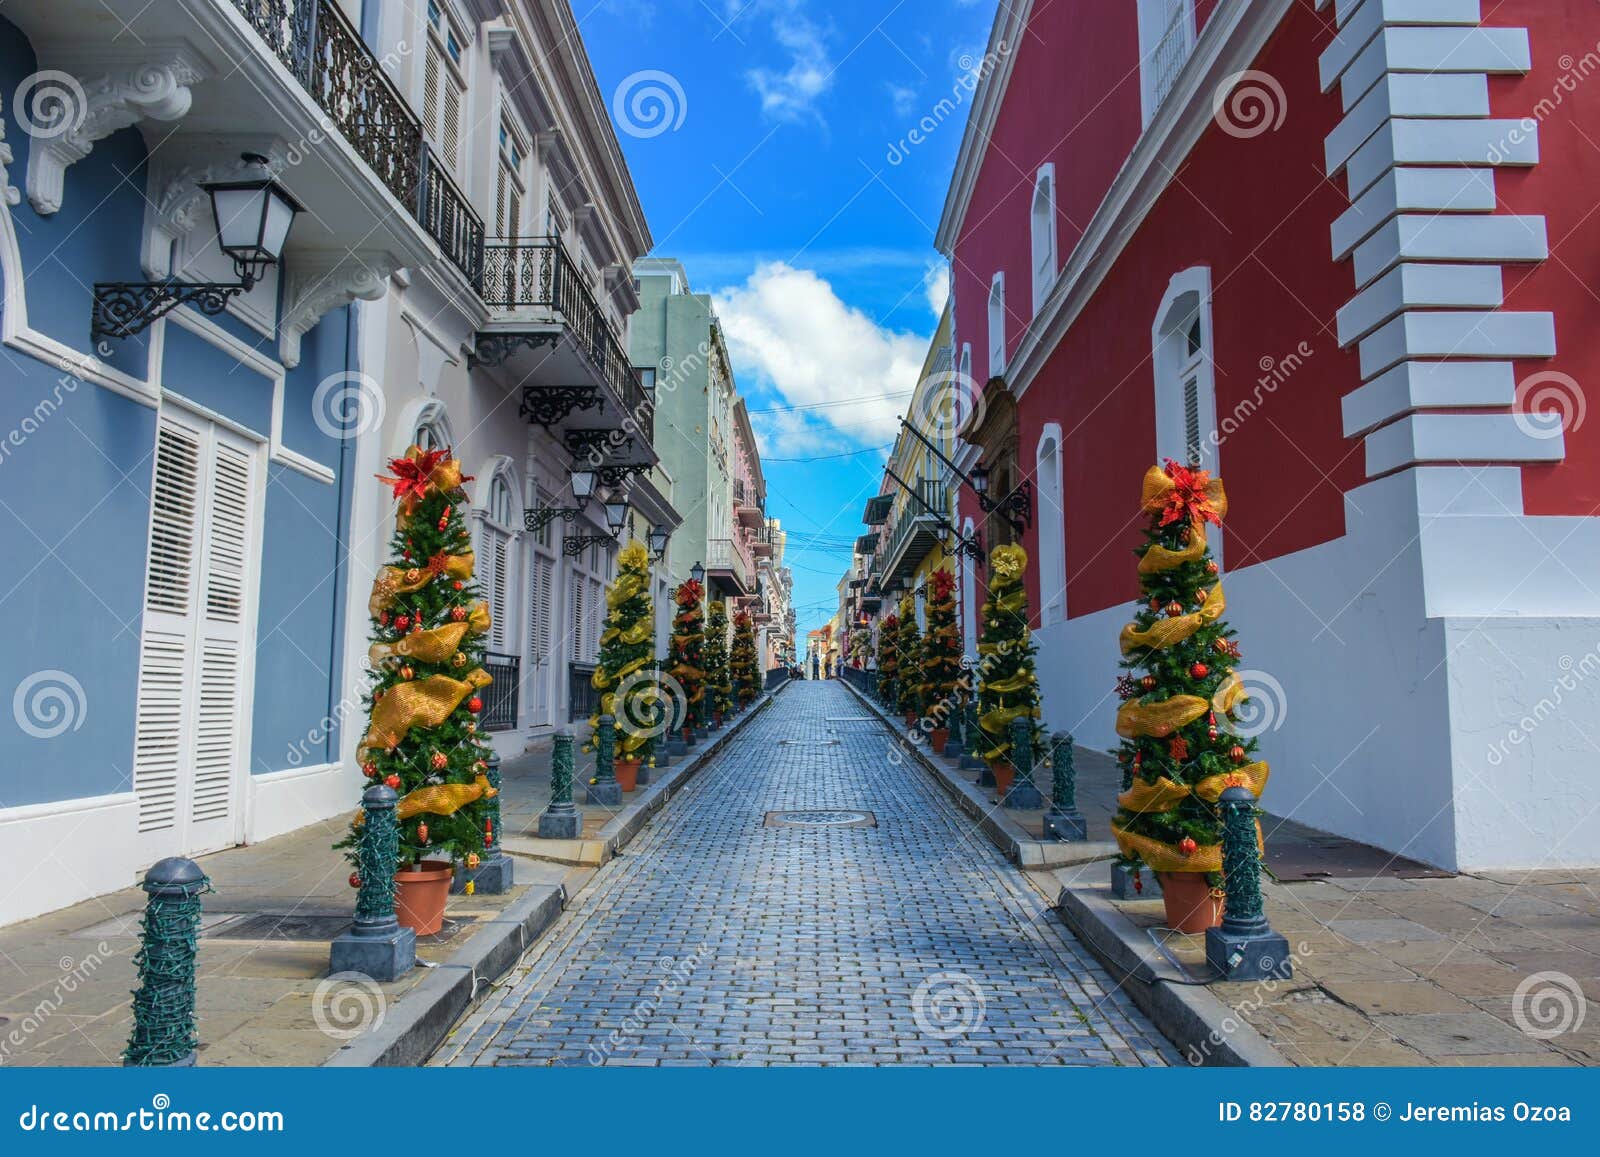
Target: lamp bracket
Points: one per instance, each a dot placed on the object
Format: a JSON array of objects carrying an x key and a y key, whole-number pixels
[{"x": 574, "y": 545}]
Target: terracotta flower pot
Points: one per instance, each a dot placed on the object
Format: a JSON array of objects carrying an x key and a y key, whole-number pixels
[
  {"x": 939, "y": 736},
  {"x": 627, "y": 773},
  {"x": 688, "y": 736},
  {"x": 420, "y": 892},
  {"x": 716, "y": 719},
  {"x": 1192, "y": 905},
  {"x": 911, "y": 718},
  {"x": 1003, "y": 775}
]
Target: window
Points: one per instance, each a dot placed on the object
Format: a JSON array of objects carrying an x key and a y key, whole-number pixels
[
  {"x": 444, "y": 85},
  {"x": 1051, "y": 519},
  {"x": 997, "y": 325},
  {"x": 1166, "y": 38},
  {"x": 1044, "y": 235},
  {"x": 1181, "y": 355},
  {"x": 510, "y": 188},
  {"x": 496, "y": 531},
  {"x": 432, "y": 431}
]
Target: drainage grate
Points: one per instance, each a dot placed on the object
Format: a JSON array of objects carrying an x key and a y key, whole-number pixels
[
  {"x": 822, "y": 818},
  {"x": 809, "y": 742}
]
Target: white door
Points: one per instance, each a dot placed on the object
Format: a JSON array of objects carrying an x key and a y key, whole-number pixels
[{"x": 196, "y": 649}]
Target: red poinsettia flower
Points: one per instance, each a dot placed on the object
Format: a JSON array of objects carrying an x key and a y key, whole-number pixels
[
  {"x": 1190, "y": 497},
  {"x": 411, "y": 475}
]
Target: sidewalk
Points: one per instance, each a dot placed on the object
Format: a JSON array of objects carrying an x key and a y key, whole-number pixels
[
  {"x": 1396, "y": 963},
  {"x": 263, "y": 993}
]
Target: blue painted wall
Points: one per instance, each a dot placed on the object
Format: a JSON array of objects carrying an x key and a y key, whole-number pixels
[{"x": 75, "y": 472}]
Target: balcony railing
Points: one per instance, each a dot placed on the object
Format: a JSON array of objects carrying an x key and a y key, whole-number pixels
[
  {"x": 500, "y": 698},
  {"x": 582, "y": 698},
  {"x": 536, "y": 273},
  {"x": 317, "y": 43},
  {"x": 729, "y": 554},
  {"x": 931, "y": 496}
]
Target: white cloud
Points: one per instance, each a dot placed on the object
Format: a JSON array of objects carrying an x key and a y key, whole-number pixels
[
  {"x": 788, "y": 328},
  {"x": 903, "y": 98},
  {"x": 790, "y": 94},
  {"x": 936, "y": 284}
]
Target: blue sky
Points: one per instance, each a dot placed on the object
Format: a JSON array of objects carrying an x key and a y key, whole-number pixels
[{"x": 767, "y": 139}]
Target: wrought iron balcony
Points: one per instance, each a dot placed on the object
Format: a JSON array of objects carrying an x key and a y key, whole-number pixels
[
  {"x": 316, "y": 42},
  {"x": 917, "y": 531},
  {"x": 534, "y": 279},
  {"x": 730, "y": 557}
]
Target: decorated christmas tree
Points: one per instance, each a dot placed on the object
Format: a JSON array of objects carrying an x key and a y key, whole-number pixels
[
  {"x": 941, "y": 652},
  {"x": 1178, "y": 751},
  {"x": 1008, "y": 687},
  {"x": 686, "y": 660},
  {"x": 743, "y": 665},
  {"x": 428, "y": 627},
  {"x": 861, "y": 647},
  {"x": 625, "y": 675},
  {"x": 889, "y": 660},
  {"x": 719, "y": 687},
  {"x": 908, "y": 650}
]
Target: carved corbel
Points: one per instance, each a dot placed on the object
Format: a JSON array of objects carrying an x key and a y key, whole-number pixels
[
  {"x": 318, "y": 283},
  {"x": 66, "y": 111}
]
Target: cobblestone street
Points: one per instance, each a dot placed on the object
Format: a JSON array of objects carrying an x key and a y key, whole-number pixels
[{"x": 718, "y": 939}]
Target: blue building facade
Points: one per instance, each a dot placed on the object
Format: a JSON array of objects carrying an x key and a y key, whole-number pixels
[{"x": 175, "y": 507}]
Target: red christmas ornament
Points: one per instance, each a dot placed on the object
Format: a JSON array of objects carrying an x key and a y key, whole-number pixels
[
  {"x": 392, "y": 781},
  {"x": 1187, "y": 846},
  {"x": 474, "y": 705},
  {"x": 1199, "y": 671},
  {"x": 443, "y": 522},
  {"x": 407, "y": 673},
  {"x": 440, "y": 761},
  {"x": 1211, "y": 568},
  {"x": 1211, "y": 725},
  {"x": 401, "y": 622},
  {"x": 355, "y": 880},
  {"x": 1138, "y": 761},
  {"x": 458, "y": 584},
  {"x": 1200, "y": 597},
  {"x": 1138, "y": 882},
  {"x": 458, "y": 613},
  {"x": 383, "y": 618},
  {"x": 1174, "y": 609},
  {"x": 1178, "y": 748},
  {"x": 1148, "y": 682},
  {"x": 488, "y": 831},
  {"x": 1236, "y": 753},
  {"x": 416, "y": 626},
  {"x": 1155, "y": 603},
  {"x": 422, "y": 833},
  {"x": 371, "y": 769}
]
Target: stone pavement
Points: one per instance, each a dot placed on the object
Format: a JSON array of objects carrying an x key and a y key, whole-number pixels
[
  {"x": 1399, "y": 966},
  {"x": 261, "y": 996},
  {"x": 899, "y": 937}
]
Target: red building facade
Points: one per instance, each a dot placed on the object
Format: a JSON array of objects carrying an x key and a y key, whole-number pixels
[{"x": 1338, "y": 252}]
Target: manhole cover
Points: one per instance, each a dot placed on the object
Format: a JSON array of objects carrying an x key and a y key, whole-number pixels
[
  {"x": 822, "y": 818},
  {"x": 809, "y": 742}
]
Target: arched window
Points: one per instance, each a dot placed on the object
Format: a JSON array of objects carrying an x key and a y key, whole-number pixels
[
  {"x": 1043, "y": 229},
  {"x": 497, "y": 528},
  {"x": 1186, "y": 399},
  {"x": 997, "y": 325},
  {"x": 431, "y": 430},
  {"x": 1166, "y": 38},
  {"x": 1051, "y": 520}
]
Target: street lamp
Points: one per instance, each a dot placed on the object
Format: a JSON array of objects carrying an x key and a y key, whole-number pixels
[
  {"x": 698, "y": 574},
  {"x": 582, "y": 488},
  {"x": 582, "y": 485},
  {"x": 658, "y": 541},
  {"x": 253, "y": 218},
  {"x": 616, "y": 516},
  {"x": 980, "y": 480}
]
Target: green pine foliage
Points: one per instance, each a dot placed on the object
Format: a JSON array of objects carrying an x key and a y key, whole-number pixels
[
  {"x": 908, "y": 649},
  {"x": 1008, "y": 684},
  {"x": 627, "y": 654},
  {"x": 889, "y": 660},
  {"x": 941, "y": 648},
  {"x": 744, "y": 665},
  {"x": 719, "y": 686},
  {"x": 686, "y": 661},
  {"x": 453, "y": 752}
]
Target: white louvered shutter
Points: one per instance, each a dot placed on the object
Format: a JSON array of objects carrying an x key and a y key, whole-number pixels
[
  {"x": 495, "y": 559},
  {"x": 596, "y": 619},
  {"x": 432, "y": 71},
  {"x": 575, "y": 588},
  {"x": 188, "y": 751},
  {"x": 450, "y": 131}
]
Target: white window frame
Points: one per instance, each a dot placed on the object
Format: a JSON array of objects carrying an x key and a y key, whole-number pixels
[
  {"x": 428, "y": 426},
  {"x": 1177, "y": 369},
  {"x": 511, "y": 175},
  {"x": 441, "y": 30},
  {"x": 997, "y": 325},
  {"x": 495, "y": 512},
  {"x": 1051, "y": 520},
  {"x": 1042, "y": 232},
  {"x": 1166, "y": 31}
]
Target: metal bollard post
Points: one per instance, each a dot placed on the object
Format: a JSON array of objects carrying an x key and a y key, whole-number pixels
[
  {"x": 1064, "y": 821},
  {"x": 376, "y": 945},
  {"x": 1245, "y": 947},
  {"x": 163, "y": 1004},
  {"x": 955, "y": 746},
  {"x": 560, "y": 819},
  {"x": 1024, "y": 794},
  {"x": 605, "y": 791}
]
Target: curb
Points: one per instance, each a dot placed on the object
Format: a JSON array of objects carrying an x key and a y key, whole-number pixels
[
  {"x": 1014, "y": 842},
  {"x": 620, "y": 829},
  {"x": 1188, "y": 1014},
  {"x": 1191, "y": 1016},
  {"x": 419, "y": 1019}
]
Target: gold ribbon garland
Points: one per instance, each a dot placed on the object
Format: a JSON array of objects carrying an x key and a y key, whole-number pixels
[
  {"x": 425, "y": 703},
  {"x": 1164, "y": 633},
  {"x": 1165, "y": 794},
  {"x": 394, "y": 581},
  {"x": 1136, "y": 720}
]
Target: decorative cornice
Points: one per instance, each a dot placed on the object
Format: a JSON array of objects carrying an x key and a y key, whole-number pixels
[
  {"x": 92, "y": 99},
  {"x": 318, "y": 282}
]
